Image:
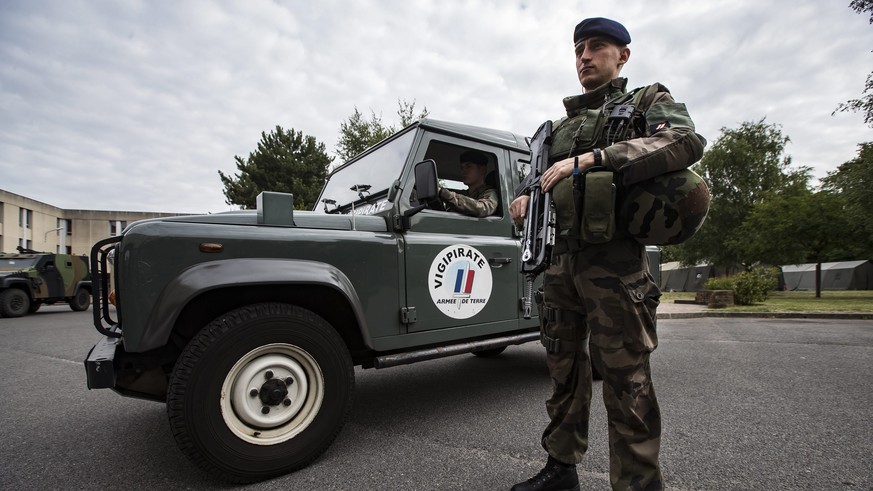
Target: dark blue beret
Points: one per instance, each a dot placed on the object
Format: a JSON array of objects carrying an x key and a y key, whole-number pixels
[
  {"x": 474, "y": 157},
  {"x": 598, "y": 26}
]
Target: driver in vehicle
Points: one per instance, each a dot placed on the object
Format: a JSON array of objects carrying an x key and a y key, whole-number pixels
[{"x": 480, "y": 199}]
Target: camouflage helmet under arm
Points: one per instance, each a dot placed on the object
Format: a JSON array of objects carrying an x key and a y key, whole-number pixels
[{"x": 665, "y": 210}]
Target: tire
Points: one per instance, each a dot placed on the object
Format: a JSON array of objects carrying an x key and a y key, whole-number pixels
[
  {"x": 34, "y": 306},
  {"x": 81, "y": 300},
  {"x": 216, "y": 417},
  {"x": 14, "y": 302},
  {"x": 488, "y": 353}
]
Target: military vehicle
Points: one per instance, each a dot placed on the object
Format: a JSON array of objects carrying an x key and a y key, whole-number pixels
[
  {"x": 29, "y": 279},
  {"x": 248, "y": 324}
]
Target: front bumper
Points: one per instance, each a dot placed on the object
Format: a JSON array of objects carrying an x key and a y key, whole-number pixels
[{"x": 100, "y": 363}]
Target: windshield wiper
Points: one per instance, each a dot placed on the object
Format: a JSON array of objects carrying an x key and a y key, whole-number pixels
[
  {"x": 361, "y": 189},
  {"x": 328, "y": 201}
]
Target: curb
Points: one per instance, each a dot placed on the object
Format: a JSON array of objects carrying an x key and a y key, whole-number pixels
[{"x": 768, "y": 315}]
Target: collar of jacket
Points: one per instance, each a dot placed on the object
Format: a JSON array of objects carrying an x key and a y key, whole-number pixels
[{"x": 596, "y": 98}]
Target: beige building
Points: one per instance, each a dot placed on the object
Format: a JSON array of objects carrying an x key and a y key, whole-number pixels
[{"x": 42, "y": 227}]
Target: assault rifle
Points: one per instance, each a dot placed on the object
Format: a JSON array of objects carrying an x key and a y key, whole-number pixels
[{"x": 539, "y": 223}]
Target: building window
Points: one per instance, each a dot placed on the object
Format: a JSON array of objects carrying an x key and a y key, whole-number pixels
[
  {"x": 25, "y": 217},
  {"x": 116, "y": 226},
  {"x": 65, "y": 225}
]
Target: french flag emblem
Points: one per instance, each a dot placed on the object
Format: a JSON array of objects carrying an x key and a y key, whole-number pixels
[{"x": 464, "y": 281}]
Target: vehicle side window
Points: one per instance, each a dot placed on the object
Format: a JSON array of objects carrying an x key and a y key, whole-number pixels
[{"x": 448, "y": 161}]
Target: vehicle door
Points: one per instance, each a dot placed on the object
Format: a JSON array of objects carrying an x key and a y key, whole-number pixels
[
  {"x": 462, "y": 271},
  {"x": 50, "y": 276}
]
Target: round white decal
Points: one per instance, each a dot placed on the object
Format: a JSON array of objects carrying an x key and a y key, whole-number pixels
[{"x": 460, "y": 281}]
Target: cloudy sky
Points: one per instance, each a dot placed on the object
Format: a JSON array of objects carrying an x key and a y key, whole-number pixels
[{"x": 136, "y": 104}]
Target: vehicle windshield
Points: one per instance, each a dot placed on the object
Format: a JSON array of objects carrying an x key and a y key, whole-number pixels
[
  {"x": 17, "y": 262},
  {"x": 369, "y": 177}
]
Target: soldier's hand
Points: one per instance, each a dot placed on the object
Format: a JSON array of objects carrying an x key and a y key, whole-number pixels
[
  {"x": 563, "y": 169},
  {"x": 518, "y": 208}
]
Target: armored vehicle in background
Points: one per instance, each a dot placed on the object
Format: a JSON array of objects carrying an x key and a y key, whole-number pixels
[{"x": 29, "y": 279}]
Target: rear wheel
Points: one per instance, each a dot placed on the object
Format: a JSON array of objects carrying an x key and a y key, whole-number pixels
[
  {"x": 80, "y": 300},
  {"x": 14, "y": 302},
  {"x": 261, "y": 391}
]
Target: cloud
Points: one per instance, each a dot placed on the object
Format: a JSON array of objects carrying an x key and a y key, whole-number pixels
[{"x": 135, "y": 105}]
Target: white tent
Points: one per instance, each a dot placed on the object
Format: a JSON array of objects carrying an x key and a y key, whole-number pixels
[{"x": 844, "y": 275}]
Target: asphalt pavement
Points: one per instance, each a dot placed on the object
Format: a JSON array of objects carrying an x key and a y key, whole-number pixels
[{"x": 751, "y": 404}]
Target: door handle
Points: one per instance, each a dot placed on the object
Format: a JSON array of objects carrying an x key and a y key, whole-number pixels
[{"x": 498, "y": 262}]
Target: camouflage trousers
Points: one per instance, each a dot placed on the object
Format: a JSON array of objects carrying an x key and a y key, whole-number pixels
[{"x": 602, "y": 296}]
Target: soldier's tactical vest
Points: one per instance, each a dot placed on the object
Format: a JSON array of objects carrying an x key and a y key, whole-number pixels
[{"x": 665, "y": 210}]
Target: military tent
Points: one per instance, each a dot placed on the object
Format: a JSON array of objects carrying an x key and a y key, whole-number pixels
[
  {"x": 843, "y": 275},
  {"x": 677, "y": 278}
]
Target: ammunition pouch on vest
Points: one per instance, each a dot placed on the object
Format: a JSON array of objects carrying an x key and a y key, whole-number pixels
[
  {"x": 587, "y": 212},
  {"x": 597, "y": 210}
]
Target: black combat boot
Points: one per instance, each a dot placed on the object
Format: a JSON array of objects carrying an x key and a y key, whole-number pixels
[{"x": 555, "y": 476}]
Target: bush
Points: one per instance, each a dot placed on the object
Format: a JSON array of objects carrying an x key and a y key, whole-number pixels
[
  {"x": 753, "y": 285},
  {"x": 720, "y": 283}
]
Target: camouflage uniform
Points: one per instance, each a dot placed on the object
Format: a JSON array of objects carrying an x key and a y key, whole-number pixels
[
  {"x": 480, "y": 202},
  {"x": 602, "y": 294}
]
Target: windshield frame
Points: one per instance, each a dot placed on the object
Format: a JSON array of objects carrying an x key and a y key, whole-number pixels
[{"x": 389, "y": 158}]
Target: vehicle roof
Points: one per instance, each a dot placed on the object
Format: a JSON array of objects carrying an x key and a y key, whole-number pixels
[
  {"x": 490, "y": 136},
  {"x": 18, "y": 255},
  {"x": 486, "y": 135}
]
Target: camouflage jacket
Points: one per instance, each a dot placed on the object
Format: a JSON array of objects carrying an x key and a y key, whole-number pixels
[
  {"x": 480, "y": 202},
  {"x": 659, "y": 137}
]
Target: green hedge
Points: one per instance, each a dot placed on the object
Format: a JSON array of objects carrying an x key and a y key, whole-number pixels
[{"x": 749, "y": 286}]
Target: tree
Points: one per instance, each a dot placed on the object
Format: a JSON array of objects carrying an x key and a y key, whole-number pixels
[
  {"x": 854, "y": 182},
  {"x": 285, "y": 161},
  {"x": 742, "y": 167},
  {"x": 865, "y": 103},
  {"x": 357, "y": 134},
  {"x": 795, "y": 227}
]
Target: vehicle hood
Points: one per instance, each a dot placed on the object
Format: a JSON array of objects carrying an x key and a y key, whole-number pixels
[{"x": 301, "y": 219}]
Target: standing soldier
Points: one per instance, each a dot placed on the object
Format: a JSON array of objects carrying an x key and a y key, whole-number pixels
[{"x": 598, "y": 287}]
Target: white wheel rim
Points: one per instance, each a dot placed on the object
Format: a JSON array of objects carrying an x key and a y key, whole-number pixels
[{"x": 268, "y": 370}]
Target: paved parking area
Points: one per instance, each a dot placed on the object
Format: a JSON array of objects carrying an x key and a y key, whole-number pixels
[{"x": 751, "y": 404}]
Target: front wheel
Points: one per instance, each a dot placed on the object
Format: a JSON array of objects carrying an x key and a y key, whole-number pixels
[
  {"x": 260, "y": 392},
  {"x": 80, "y": 300},
  {"x": 14, "y": 302}
]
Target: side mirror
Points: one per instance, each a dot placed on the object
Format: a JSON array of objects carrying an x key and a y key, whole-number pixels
[
  {"x": 426, "y": 189},
  {"x": 426, "y": 186}
]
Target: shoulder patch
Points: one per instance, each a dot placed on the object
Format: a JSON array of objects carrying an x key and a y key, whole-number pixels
[{"x": 653, "y": 128}]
